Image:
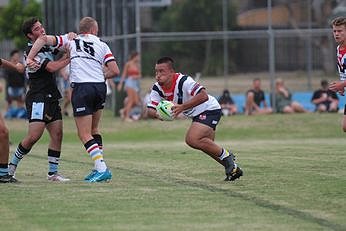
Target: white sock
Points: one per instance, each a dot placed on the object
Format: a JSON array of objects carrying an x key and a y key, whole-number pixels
[
  {"x": 224, "y": 154},
  {"x": 100, "y": 165}
]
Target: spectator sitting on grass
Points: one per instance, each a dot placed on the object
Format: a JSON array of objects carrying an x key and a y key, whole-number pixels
[
  {"x": 228, "y": 107},
  {"x": 283, "y": 99},
  {"x": 325, "y": 99}
]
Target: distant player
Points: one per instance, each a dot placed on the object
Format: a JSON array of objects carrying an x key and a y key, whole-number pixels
[
  {"x": 192, "y": 100},
  {"x": 42, "y": 103},
  {"x": 339, "y": 33},
  {"x": 91, "y": 63},
  {"x": 5, "y": 177}
]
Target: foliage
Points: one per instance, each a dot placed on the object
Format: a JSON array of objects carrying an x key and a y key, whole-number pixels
[
  {"x": 187, "y": 16},
  {"x": 12, "y": 17}
]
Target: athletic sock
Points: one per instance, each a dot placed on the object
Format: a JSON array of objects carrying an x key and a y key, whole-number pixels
[
  {"x": 19, "y": 154},
  {"x": 3, "y": 169},
  {"x": 53, "y": 161},
  {"x": 96, "y": 155},
  {"x": 224, "y": 154},
  {"x": 98, "y": 139}
]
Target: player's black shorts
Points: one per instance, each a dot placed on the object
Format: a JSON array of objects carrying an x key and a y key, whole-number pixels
[
  {"x": 42, "y": 108},
  {"x": 209, "y": 118},
  {"x": 87, "y": 98}
]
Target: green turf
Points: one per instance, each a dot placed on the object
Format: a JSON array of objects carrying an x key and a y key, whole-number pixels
[{"x": 294, "y": 168}]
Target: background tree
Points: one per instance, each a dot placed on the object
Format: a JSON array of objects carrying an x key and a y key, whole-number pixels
[
  {"x": 12, "y": 17},
  {"x": 195, "y": 56}
]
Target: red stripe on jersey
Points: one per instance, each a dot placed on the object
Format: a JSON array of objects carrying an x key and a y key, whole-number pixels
[
  {"x": 154, "y": 103},
  {"x": 169, "y": 92},
  {"x": 60, "y": 41},
  {"x": 197, "y": 85},
  {"x": 341, "y": 53},
  {"x": 108, "y": 56}
]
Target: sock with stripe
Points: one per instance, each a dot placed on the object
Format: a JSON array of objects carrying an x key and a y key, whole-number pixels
[
  {"x": 98, "y": 139},
  {"x": 96, "y": 155},
  {"x": 3, "y": 169},
  {"x": 19, "y": 154},
  {"x": 53, "y": 161},
  {"x": 223, "y": 154}
]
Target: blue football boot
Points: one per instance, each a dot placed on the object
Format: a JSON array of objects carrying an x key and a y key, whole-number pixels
[{"x": 101, "y": 176}]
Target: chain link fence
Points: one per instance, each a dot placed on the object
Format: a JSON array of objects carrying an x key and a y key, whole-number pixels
[{"x": 250, "y": 36}]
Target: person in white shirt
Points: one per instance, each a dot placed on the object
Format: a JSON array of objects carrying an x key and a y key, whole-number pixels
[
  {"x": 191, "y": 99},
  {"x": 91, "y": 63}
]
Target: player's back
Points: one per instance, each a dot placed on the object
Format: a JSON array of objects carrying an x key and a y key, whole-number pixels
[{"x": 87, "y": 58}]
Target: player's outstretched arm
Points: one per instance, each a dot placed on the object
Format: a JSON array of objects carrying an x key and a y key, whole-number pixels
[
  {"x": 36, "y": 47},
  {"x": 54, "y": 66},
  {"x": 17, "y": 67}
]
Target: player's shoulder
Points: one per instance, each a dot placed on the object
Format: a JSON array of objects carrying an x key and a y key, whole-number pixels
[
  {"x": 155, "y": 86},
  {"x": 98, "y": 39},
  {"x": 183, "y": 78},
  {"x": 182, "y": 75}
]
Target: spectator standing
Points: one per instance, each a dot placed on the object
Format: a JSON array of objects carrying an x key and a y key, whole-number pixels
[{"x": 131, "y": 76}]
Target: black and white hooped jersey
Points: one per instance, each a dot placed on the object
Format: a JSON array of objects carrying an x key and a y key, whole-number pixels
[
  {"x": 88, "y": 55},
  {"x": 341, "y": 62},
  {"x": 182, "y": 90},
  {"x": 42, "y": 81}
]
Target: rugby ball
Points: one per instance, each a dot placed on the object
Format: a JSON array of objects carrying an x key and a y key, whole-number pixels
[{"x": 164, "y": 110}]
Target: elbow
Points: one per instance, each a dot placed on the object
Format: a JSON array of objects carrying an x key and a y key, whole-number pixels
[
  {"x": 204, "y": 96},
  {"x": 50, "y": 69},
  {"x": 116, "y": 73},
  {"x": 43, "y": 38}
]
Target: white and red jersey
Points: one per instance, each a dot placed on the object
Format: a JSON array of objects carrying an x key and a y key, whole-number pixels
[
  {"x": 182, "y": 90},
  {"x": 88, "y": 55},
  {"x": 341, "y": 62}
]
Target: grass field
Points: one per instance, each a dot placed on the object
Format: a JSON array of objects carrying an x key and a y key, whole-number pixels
[{"x": 294, "y": 178}]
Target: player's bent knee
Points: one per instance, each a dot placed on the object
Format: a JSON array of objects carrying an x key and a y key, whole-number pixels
[{"x": 192, "y": 142}]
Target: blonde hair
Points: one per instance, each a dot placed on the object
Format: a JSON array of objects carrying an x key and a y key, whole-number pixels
[
  {"x": 279, "y": 81},
  {"x": 86, "y": 24}
]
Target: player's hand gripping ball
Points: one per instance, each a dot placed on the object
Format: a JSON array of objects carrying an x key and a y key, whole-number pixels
[{"x": 164, "y": 110}]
